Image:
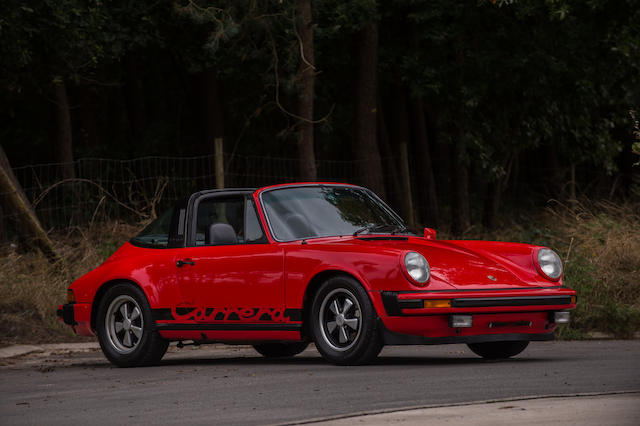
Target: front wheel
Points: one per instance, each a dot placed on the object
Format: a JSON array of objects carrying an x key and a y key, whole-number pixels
[
  {"x": 124, "y": 325},
  {"x": 498, "y": 350},
  {"x": 344, "y": 322},
  {"x": 280, "y": 350}
]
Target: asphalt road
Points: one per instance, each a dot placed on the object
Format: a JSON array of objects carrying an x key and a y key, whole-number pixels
[{"x": 233, "y": 385}]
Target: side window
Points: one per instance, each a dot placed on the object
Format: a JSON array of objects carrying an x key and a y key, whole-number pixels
[
  {"x": 228, "y": 220},
  {"x": 156, "y": 234},
  {"x": 254, "y": 232}
]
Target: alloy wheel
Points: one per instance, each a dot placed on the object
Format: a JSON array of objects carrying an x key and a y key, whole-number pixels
[
  {"x": 124, "y": 324},
  {"x": 340, "y": 319}
]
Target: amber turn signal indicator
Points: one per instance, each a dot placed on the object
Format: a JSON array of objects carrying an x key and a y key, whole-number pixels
[
  {"x": 574, "y": 299},
  {"x": 437, "y": 303},
  {"x": 71, "y": 298}
]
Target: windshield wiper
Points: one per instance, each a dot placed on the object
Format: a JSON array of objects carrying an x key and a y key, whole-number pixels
[{"x": 373, "y": 228}]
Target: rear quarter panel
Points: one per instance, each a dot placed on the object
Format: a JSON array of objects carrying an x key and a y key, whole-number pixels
[{"x": 153, "y": 270}]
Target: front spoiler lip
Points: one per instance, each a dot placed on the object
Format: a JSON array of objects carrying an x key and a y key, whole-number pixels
[{"x": 395, "y": 339}]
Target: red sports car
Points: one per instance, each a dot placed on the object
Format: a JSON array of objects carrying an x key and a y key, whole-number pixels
[{"x": 332, "y": 264}]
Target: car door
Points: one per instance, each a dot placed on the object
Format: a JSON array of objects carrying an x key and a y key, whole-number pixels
[{"x": 229, "y": 273}]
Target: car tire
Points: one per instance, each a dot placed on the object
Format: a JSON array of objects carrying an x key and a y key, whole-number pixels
[
  {"x": 126, "y": 329},
  {"x": 280, "y": 350},
  {"x": 344, "y": 323},
  {"x": 498, "y": 350}
]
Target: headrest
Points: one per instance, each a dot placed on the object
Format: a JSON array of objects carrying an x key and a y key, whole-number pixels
[{"x": 220, "y": 234}]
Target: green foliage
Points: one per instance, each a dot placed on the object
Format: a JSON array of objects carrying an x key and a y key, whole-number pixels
[{"x": 514, "y": 78}]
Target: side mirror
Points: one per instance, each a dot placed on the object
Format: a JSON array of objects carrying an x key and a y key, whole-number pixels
[{"x": 429, "y": 233}]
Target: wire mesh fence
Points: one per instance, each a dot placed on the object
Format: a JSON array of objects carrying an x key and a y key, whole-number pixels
[{"x": 134, "y": 190}]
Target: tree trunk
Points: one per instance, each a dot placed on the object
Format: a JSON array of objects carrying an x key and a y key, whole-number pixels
[
  {"x": 306, "y": 155},
  {"x": 134, "y": 97},
  {"x": 367, "y": 152},
  {"x": 556, "y": 174},
  {"x": 428, "y": 180},
  {"x": 396, "y": 194},
  {"x": 460, "y": 216},
  {"x": 401, "y": 137},
  {"x": 87, "y": 117},
  {"x": 496, "y": 188},
  {"x": 64, "y": 138},
  {"x": 18, "y": 203},
  {"x": 212, "y": 121},
  {"x": 491, "y": 204}
]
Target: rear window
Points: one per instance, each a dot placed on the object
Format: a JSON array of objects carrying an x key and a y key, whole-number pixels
[{"x": 155, "y": 234}]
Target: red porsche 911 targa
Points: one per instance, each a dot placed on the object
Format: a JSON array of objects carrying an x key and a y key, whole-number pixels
[{"x": 286, "y": 265}]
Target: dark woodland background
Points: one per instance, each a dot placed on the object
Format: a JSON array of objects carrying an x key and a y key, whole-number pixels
[{"x": 455, "y": 112}]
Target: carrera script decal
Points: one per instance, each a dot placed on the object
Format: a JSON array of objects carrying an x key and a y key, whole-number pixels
[{"x": 204, "y": 314}]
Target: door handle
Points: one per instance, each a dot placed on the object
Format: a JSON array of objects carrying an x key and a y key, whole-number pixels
[{"x": 180, "y": 263}]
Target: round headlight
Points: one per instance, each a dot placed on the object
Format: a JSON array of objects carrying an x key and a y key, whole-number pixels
[
  {"x": 417, "y": 267},
  {"x": 550, "y": 263}
]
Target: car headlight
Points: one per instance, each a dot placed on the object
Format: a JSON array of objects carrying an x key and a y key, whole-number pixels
[
  {"x": 550, "y": 264},
  {"x": 417, "y": 267}
]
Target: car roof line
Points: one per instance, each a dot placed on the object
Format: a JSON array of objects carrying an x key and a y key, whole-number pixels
[{"x": 214, "y": 191}]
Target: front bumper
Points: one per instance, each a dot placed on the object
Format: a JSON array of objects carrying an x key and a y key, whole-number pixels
[
  {"x": 66, "y": 314},
  {"x": 78, "y": 316},
  {"x": 409, "y": 318}
]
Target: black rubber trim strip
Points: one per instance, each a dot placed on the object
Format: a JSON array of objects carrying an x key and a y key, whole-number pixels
[
  {"x": 390, "y": 303},
  {"x": 454, "y": 290},
  {"x": 462, "y": 312},
  {"x": 482, "y": 302},
  {"x": 293, "y": 314},
  {"x": 393, "y": 306},
  {"x": 411, "y": 304},
  {"x": 395, "y": 339},
  {"x": 231, "y": 327},
  {"x": 67, "y": 314},
  {"x": 162, "y": 314}
]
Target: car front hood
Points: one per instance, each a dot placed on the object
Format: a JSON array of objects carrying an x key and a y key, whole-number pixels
[{"x": 467, "y": 268}]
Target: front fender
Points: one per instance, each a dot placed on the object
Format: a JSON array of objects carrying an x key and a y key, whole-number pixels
[{"x": 375, "y": 271}]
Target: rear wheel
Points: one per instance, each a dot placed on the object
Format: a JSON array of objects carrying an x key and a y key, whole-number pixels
[
  {"x": 344, "y": 322},
  {"x": 280, "y": 350},
  {"x": 125, "y": 328},
  {"x": 498, "y": 350}
]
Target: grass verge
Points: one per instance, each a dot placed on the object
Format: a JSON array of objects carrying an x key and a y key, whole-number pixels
[{"x": 32, "y": 288}]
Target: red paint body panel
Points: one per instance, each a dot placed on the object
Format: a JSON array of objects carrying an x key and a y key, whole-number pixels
[
  {"x": 250, "y": 275},
  {"x": 154, "y": 270},
  {"x": 266, "y": 284}
]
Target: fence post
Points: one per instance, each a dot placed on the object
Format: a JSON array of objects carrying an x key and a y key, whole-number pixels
[{"x": 219, "y": 163}]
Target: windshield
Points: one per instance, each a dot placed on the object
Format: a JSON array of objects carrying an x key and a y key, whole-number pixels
[{"x": 323, "y": 211}]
